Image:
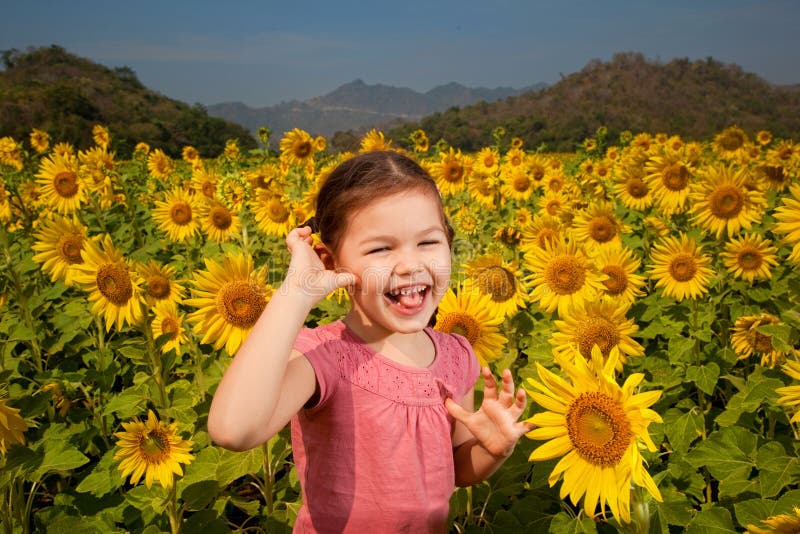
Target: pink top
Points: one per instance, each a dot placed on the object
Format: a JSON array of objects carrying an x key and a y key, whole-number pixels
[{"x": 375, "y": 453}]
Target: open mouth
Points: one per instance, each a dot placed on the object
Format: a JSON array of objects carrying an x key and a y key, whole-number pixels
[{"x": 408, "y": 298}]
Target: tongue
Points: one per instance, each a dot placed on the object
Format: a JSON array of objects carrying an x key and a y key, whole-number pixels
[{"x": 411, "y": 300}]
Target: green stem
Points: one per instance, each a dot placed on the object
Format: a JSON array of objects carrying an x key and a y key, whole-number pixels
[
  {"x": 28, "y": 507},
  {"x": 269, "y": 479},
  {"x": 155, "y": 363},
  {"x": 174, "y": 513}
]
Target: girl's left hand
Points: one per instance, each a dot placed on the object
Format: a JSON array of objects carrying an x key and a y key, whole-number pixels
[{"x": 495, "y": 425}]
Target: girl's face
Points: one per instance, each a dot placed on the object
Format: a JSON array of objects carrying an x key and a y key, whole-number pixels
[{"x": 397, "y": 246}]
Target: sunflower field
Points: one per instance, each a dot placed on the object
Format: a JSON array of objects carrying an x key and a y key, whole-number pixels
[{"x": 643, "y": 290}]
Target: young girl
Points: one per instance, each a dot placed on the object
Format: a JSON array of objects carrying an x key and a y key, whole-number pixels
[{"x": 381, "y": 406}]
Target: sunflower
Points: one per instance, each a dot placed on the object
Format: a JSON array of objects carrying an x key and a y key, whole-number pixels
[
  {"x": 596, "y": 323},
  {"x": 774, "y": 177},
  {"x": 59, "y": 243},
  {"x": 152, "y": 448},
  {"x": 40, "y": 141},
  {"x": 730, "y": 142},
  {"x": 204, "y": 181},
  {"x": 630, "y": 187},
  {"x": 746, "y": 339},
  {"x": 451, "y": 171},
  {"x": 562, "y": 277},
  {"x": 487, "y": 160},
  {"x": 597, "y": 226},
  {"x": 176, "y": 215},
  {"x": 490, "y": 275},
  {"x": 552, "y": 203},
  {"x": 555, "y": 181},
  {"x": 231, "y": 150},
  {"x": 114, "y": 289},
  {"x": 514, "y": 157},
  {"x": 374, "y": 140},
  {"x": 788, "y": 216},
  {"x": 217, "y": 221},
  {"x": 596, "y": 427},
  {"x": 98, "y": 164},
  {"x": 778, "y": 524},
  {"x": 160, "y": 283},
  {"x": 168, "y": 322},
  {"x": 483, "y": 188},
  {"x": 722, "y": 204},
  {"x": 12, "y": 426},
  {"x": 60, "y": 186},
  {"x": 230, "y": 298},
  {"x": 516, "y": 183},
  {"x": 538, "y": 169},
  {"x": 668, "y": 177},
  {"x": 750, "y": 257},
  {"x": 233, "y": 189},
  {"x": 5, "y": 205},
  {"x": 273, "y": 213},
  {"x": 619, "y": 265},
  {"x": 101, "y": 136},
  {"x": 190, "y": 154},
  {"x": 680, "y": 267},
  {"x": 790, "y": 395},
  {"x": 517, "y": 142},
  {"x": 159, "y": 164},
  {"x": 543, "y": 230},
  {"x": 471, "y": 315}
]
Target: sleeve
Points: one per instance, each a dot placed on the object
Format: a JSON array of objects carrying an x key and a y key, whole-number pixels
[
  {"x": 317, "y": 351},
  {"x": 469, "y": 362}
]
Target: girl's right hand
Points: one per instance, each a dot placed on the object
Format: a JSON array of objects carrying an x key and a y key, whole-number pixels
[{"x": 307, "y": 273}]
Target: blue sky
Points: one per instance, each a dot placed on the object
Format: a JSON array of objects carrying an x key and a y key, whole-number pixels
[{"x": 264, "y": 52}]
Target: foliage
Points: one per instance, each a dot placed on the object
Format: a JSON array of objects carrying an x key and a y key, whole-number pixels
[
  {"x": 54, "y": 90},
  {"x": 727, "y": 452}
]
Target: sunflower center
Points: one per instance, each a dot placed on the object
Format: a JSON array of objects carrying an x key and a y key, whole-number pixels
[
  {"x": 732, "y": 141},
  {"x": 596, "y": 331},
  {"x": 208, "y": 189},
  {"x": 774, "y": 174},
  {"x": 555, "y": 184},
  {"x": 749, "y": 258},
  {"x": 489, "y": 161},
  {"x": 158, "y": 286},
  {"x": 546, "y": 237},
  {"x": 784, "y": 153},
  {"x": 170, "y": 326},
  {"x": 70, "y": 247},
  {"x": 484, "y": 187},
  {"x": 537, "y": 172},
  {"x": 617, "y": 281},
  {"x": 521, "y": 183},
  {"x": 114, "y": 282},
  {"x": 461, "y": 323},
  {"x": 154, "y": 446},
  {"x": 676, "y": 177},
  {"x": 240, "y": 303},
  {"x": 180, "y": 213},
  {"x": 636, "y": 188},
  {"x": 66, "y": 184},
  {"x": 565, "y": 275},
  {"x": 553, "y": 207},
  {"x": 599, "y": 429},
  {"x": 302, "y": 149},
  {"x": 602, "y": 229},
  {"x": 499, "y": 283},
  {"x": 726, "y": 202},
  {"x": 221, "y": 218},
  {"x": 683, "y": 267},
  {"x": 276, "y": 211},
  {"x": 452, "y": 172}
]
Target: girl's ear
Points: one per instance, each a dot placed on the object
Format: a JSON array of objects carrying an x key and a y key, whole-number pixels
[{"x": 325, "y": 256}]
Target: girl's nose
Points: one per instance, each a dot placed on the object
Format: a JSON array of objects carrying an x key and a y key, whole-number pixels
[{"x": 408, "y": 264}]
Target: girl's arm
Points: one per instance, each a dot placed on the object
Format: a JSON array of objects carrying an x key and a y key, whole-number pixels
[
  {"x": 483, "y": 440},
  {"x": 268, "y": 382}
]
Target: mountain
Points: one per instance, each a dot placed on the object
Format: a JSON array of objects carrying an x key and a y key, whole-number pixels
[
  {"x": 65, "y": 95},
  {"x": 357, "y": 105},
  {"x": 693, "y": 99}
]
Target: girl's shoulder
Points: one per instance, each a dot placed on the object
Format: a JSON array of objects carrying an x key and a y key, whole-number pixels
[{"x": 455, "y": 354}]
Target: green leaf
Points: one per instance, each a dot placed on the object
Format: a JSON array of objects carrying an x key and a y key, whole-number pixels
[
  {"x": 104, "y": 478},
  {"x": 704, "y": 376},
  {"x": 59, "y": 455},
  {"x": 712, "y": 520},
  {"x": 791, "y": 317},
  {"x": 683, "y": 428},
  {"x": 207, "y": 522},
  {"x": 776, "y": 469},
  {"x": 233, "y": 465},
  {"x": 754, "y": 510},
  {"x": 728, "y": 453},
  {"x": 200, "y": 494},
  {"x": 131, "y": 402},
  {"x": 563, "y": 524},
  {"x": 780, "y": 334},
  {"x": 152, "y": 500},
  {"x": 680, "y": 348}
]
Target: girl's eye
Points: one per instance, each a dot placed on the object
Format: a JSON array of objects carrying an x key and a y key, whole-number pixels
[
  {"x": 433, "y": 242},
  {"x": 376, "y": 250}
]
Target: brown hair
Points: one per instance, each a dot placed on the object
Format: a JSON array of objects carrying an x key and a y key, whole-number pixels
[{"x": 363, "y": 178}]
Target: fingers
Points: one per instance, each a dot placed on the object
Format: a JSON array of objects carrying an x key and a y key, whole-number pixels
[{"x": 456, "y": 410}]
